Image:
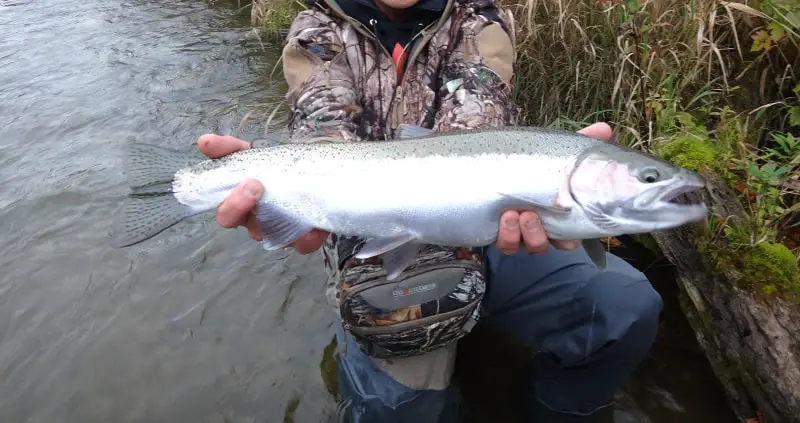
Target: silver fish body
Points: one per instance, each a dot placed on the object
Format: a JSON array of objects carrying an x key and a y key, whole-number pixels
[{"x": 447, "y": 189}]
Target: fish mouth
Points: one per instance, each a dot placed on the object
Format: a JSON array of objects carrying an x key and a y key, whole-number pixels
[
  {"x": 669, "y": 204},
  {"x": 674, "y": 204},
  {"x": 676, "y": 194}
]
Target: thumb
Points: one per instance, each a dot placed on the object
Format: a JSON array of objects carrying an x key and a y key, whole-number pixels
[
  {"x": 599, "y": 130},
  {"x": 233, "y": 211}
]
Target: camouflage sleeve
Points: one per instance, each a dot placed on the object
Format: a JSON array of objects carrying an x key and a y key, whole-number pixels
[
  {"x": 321, "y": 90},
  {"x": 476, "y": 85}
]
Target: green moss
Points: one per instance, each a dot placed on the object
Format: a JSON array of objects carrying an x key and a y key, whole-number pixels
[{"x": 693, "y": 152}]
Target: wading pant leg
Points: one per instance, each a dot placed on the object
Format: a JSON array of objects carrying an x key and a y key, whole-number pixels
[
  {"x": 369, "y": 395},
  {"x": 590, "y": 328}
]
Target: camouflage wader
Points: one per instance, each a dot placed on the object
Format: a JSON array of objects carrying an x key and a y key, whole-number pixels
[{"x": 343, "y": 83}]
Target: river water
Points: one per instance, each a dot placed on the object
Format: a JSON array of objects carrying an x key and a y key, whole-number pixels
[{"x": 199, "y": 325}]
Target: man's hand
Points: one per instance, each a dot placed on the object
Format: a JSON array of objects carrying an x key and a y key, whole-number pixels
[
  {"x": 237, "y": 209},
  {"x": 525, "y": 228}
]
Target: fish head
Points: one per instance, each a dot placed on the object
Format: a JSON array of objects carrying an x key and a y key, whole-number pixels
[{"x": 625, "y": 191}]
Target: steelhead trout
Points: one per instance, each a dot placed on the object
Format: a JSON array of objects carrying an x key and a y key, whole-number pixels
[{"x": 425, "y": 188}]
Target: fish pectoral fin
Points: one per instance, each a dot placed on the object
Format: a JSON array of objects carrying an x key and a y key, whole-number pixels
[
  {"x": 278, "y": 228},
  {"x": 406, "y": 131},
  {"x": 538, "y": 203},
  {"x": 596, "y": 251},
  {"x": 397, "y": 253}
]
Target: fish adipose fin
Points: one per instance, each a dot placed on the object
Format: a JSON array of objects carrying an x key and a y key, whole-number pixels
[
  {"x": 397, "y": 253},
  {"x": 151, "y": 208},
  {"x": 278, "y": 228},
  {"x": 596, "y": 251}
]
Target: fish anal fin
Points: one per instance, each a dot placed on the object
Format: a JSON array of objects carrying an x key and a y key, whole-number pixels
[
  {"x": 596, "y": 251},
  {"x": 278, "y": 228}
]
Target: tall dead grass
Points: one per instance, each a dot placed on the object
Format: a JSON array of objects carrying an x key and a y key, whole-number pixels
[{"x": 586, "y": 60}]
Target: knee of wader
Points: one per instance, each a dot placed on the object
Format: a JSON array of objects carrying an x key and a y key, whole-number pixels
[{"x": 627, "y": 308}]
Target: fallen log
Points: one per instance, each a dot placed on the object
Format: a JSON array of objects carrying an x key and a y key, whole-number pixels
[{"x": 749, "y": 332}]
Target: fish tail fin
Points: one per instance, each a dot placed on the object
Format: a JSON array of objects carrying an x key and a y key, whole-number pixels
[
  {"x": 596, "y": 251},
  {"x": 144, "y": 216},
  {"x": 151, "y": 207},
  {"x": 150, "y": 164}
]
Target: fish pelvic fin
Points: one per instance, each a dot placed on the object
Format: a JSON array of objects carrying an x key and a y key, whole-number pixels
[
  {"x": 145, "y": 215},
  {"x": 596, "y": 251},
  {"x": 406, "y": 131},
  {"x": 278, "y": 227},
  {"x": 149, "y": 164},
  {"x": 397, "y": 253},
  {"x": 151, "y": 206}
]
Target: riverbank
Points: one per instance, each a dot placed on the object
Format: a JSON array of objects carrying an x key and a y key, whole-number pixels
[{"x": 712, "y": 86}]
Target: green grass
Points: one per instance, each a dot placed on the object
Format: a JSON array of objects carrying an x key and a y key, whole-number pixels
[{"x": 274, "y": 14}]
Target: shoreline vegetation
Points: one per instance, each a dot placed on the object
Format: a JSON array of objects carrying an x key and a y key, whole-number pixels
[{"x": 710, "y": 85}]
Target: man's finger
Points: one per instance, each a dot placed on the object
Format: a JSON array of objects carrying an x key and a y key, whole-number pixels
[
  {"x": 310, "y": 242},
  {"x": 508, "y": 236},
  {"x": 566, "y": 245},
  {"x": 533, "y": 233},
  {"x": 214, "y": 146},
  {"x": 233, "y": 211},
  {"x": 599, "y": 130}
]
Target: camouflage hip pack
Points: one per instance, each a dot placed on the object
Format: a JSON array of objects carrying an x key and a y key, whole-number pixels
[{"x": 434, "y": 302}]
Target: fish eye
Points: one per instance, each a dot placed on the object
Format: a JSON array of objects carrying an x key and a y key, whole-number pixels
[{"x": 649, "y": 176}]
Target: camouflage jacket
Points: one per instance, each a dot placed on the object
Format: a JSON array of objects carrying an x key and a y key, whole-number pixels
[{"x": 342, "y": 82}]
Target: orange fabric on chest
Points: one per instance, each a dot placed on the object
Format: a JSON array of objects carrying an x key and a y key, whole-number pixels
[{"x": 398, "y": 56}]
